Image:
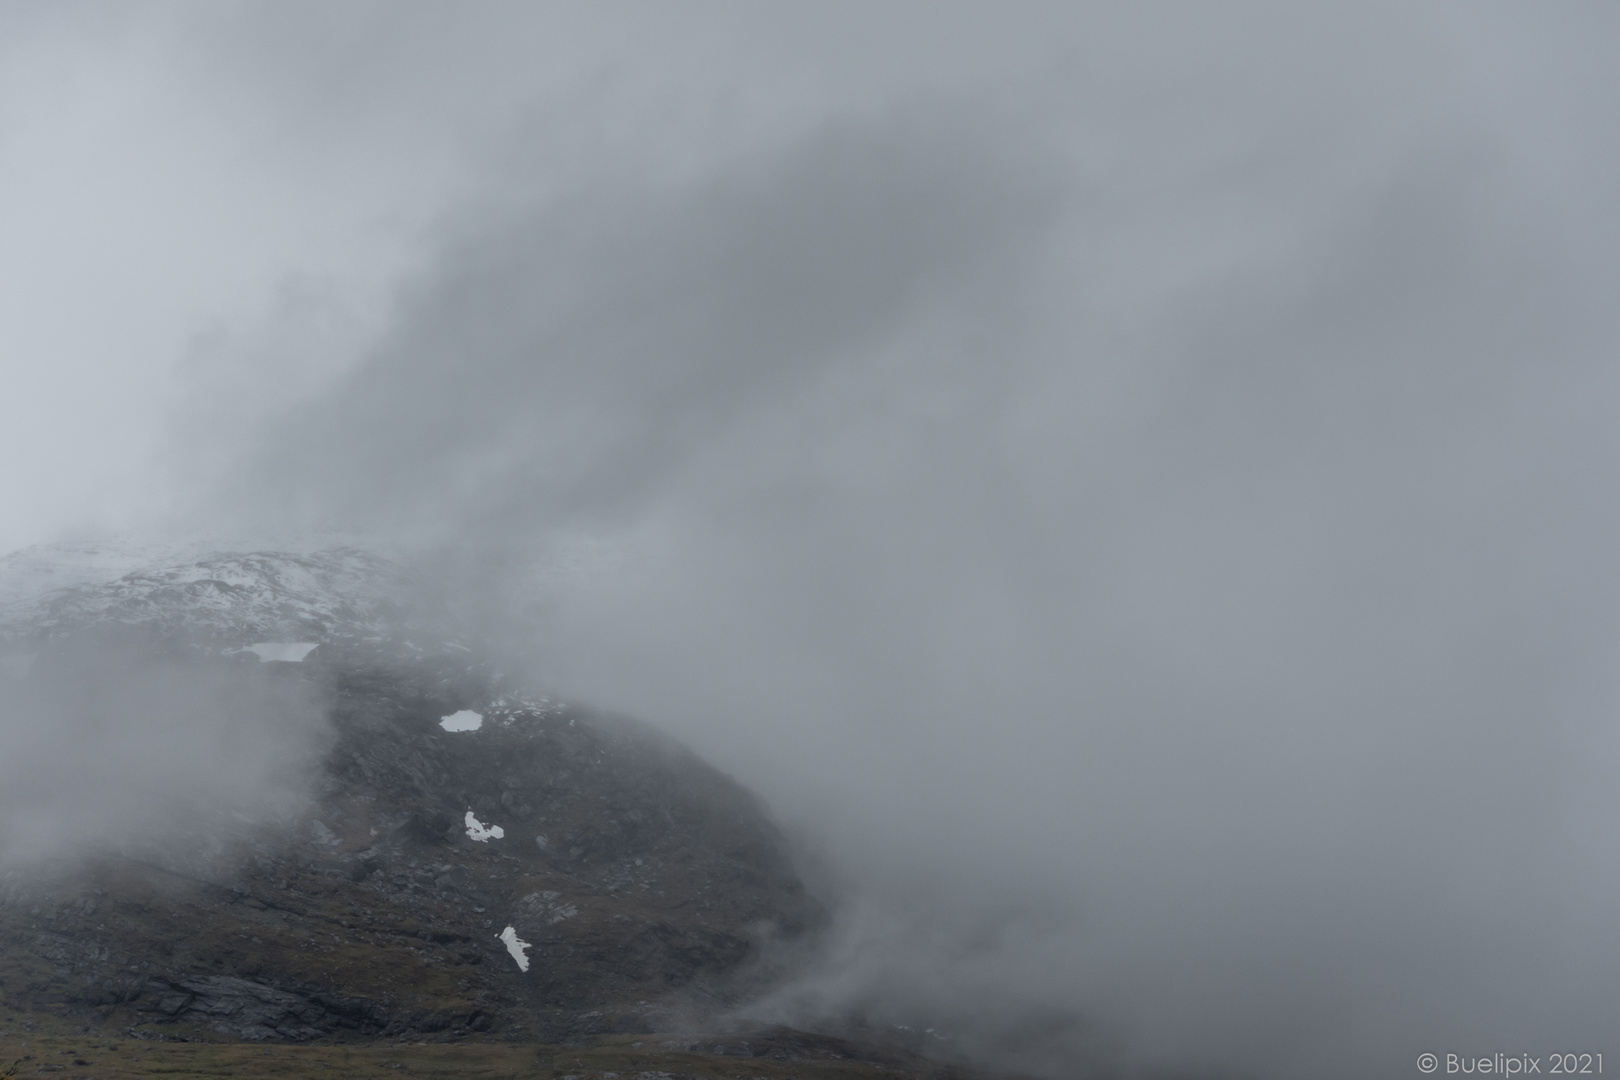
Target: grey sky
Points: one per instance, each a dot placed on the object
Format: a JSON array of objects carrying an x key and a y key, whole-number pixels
[{"x": 1133, "y": 487}]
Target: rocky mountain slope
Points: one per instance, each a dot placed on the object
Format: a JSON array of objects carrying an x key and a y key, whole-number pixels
[
  {"x": 531, "y": 887},
  {"x": 471, "y": 860},
  {"x": 214, "y": 602}
]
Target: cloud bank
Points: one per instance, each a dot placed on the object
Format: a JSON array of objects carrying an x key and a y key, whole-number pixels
[
  {"x": 1134, "y": 493},
  {"x": 108, "y": 745}
]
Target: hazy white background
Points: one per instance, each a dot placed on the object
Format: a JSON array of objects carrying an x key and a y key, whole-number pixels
[{"x": 1135, "y": 488}]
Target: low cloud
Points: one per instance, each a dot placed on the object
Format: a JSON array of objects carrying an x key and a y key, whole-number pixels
[
  {"x": 1136, "y": 498},
  {"x": 112, "y": 746}
]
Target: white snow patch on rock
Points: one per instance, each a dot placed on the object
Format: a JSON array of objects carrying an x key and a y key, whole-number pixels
[
  {"x": 288, "y": 651},
  {"x": 465, "y": 720},
  {"x": 477, "y": 830},
  {"x": 516, "y": 946}
]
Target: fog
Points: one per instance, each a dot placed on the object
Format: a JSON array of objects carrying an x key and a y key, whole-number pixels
[
  {"x": 112, "y": 746},
  {"x": 1132, "y": 488}
]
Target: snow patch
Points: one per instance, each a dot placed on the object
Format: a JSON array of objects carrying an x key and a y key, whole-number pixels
[
  {"x": 515, "y": 945},
  {"x": 465, "y": 720},
  {"x": 480, "y": 832},
  {"x": 287, "y": 651}
]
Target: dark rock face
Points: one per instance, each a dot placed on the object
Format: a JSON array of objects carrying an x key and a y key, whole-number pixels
[
  {"x": 254, "y": 1010},
  {"x": 641, "y": 880}
]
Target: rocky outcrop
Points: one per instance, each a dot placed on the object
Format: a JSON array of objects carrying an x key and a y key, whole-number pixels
[{"x": 249, "y": 1009}]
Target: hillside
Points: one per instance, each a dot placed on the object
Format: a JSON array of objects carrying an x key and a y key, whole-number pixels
[{"x": 468, "y": 862}]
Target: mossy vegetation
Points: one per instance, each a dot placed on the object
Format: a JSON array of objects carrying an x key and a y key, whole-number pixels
[{"x": 52, "y": 1049}]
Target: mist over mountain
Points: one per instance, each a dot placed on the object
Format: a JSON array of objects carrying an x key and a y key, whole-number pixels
[
  {"x": 216, "y": 769},
  {"x": 1130, "y": 489}
]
